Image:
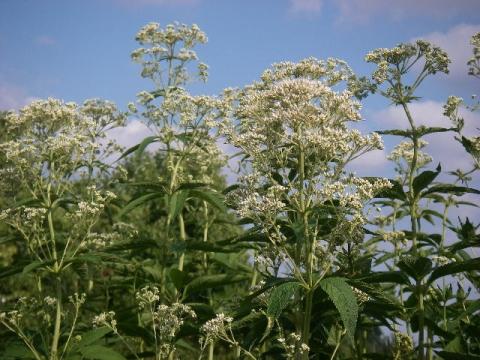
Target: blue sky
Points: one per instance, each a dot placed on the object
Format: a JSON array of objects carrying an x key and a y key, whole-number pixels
[{"x": 80, "y": 49}]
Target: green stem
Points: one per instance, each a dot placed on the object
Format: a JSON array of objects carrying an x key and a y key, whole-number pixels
[
  {"x": 308, "y": 249},
  {"x": 58, "y": 321},
  {"x": 183, "y": 238},
  {"x": 421, "y": 322},
  {"x": 211, "y": 349}
]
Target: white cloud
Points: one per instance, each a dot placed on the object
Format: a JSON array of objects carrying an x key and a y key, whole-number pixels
[
  {"x": 142, "y": 3},
  {"x": 45, "y": 40},
  {"x": 363, "y": 11},
  {"x": 132, "y": 134},
  {"x": 456, "y": 42},
  {"x": 442, "y": 146},
  {"x": 13, "y": 97},
  {"x": 306, "y": 6},
  {"x": 370, "y": 164}
]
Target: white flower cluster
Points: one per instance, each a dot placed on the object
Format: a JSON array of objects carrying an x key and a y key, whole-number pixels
[
  {"x": 172, "y": 44},
  {"x": 218, "y": 328},
  {"x": 361, "y": 296},
  {"x": 148, "y": 296},
  {"x": 169, "y": 319},
  {"x": 402, "y": 155},
  {"x": 106, "y": 319},
  {"x": 474, "y": 61},
  {"x": 394, "y": 237},
  {"x": 293, "y": 346},
  {"x": 403, "y": 55},
  {"x": 441, "y": 260}
]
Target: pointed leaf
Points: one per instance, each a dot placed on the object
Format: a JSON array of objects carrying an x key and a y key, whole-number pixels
[
  {"x": 139, "y": 148},
  {"x": 280, "y": 298},
  {"x": 415, "y": 267},
  {"x": 344, "y": 300},
  {"x": 454, "y": 268},
  {"x": 142, "y": 199},
  {"x": 424, "y": 179},
  {"x": 212, "y": 197}
]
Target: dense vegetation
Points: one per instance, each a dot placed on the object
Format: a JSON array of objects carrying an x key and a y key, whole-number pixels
[{"x": 146, "y": 253}]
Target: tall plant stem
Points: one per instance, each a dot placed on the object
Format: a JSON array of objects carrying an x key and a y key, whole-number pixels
[
  {"x": 211, "y": 349},
  {"x": 413, "y": 167},
  {"x": 308, "y": 249},
  {"x": 413, "y": 220},
  {"x": 183, "y": 238},
  {"x": 58, "y": 282},
  {"x": 58, "y": 321}
]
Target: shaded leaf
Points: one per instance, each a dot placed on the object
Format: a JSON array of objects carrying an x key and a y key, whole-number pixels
[
  {"x": 280, "y": 298},
  {"x": 344, "y": 300}
]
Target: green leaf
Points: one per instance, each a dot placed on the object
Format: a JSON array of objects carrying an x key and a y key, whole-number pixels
[
  {"x": 450, "y": 189},
  {"x": 37, "y": 264},
  {"x": 211, "y": 281},
  {"x": 415, "y": 267},
  {"x": 454, "y": 268},
  {"x": 395, "y": 192},
  {"x": 280, "y": 298},
  {"x": 344, "y": 300},
  {"x": 177, "y": 201},
  {"x": 10, "y": 270},
  {"x": 212, "y": 197},
  {"x": 92, "y": 336},
  {"x": 424, "y": 179},
  {"x": 455, "y": 345},
  {"x": 423, "y": 130},
  {"x": 469, "y": 145},
  {"x": 396, "y": 277},
  {"x": 17, "y": 351},
  {"x": 139, "y": 148},
  {"x": 98, "y": 352},
  {"x": 179, "y": 278},
  {"x": 142, "y": 199},
  {"x": 395, "y": 132}
]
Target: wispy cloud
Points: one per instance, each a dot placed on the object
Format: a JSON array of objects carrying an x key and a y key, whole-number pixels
[
  {"x": 456, "y": 42},
  {"x": 132, "y": 134},
  {"x": 442, "y": 146},
  {"x": 147, "y": 3},
  {"x": 364, "y": 11},
  {"x": 306, "y": 6},
  {"x": 45, "y": 40},
  {"x": 13, "y": 97}
]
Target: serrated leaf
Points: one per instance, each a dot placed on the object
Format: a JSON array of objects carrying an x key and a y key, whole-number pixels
[
  {"x": 450, "y": 189},
  {"x": 395, "y": 192},
  {"x": 212, "y": 281},
  {"x": 424, "y": 179},
  {"x": 142, "y": 199},
  {"x": 34, "y": 265},
  {"x": 179, "y": 278},
  {"x": 139, "y": 148},
  {"x": 415, "y": 267},
  {"x": 212, "y": 197},
  {"x": 344, "y": 300},
  {"x": 280, "y": 298},
  {"x": 177, "y": 202},
  {"x": 395, "y": 132},
  {"x": 454, "y": 268},
  {"x": 396, "y": 277}
]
